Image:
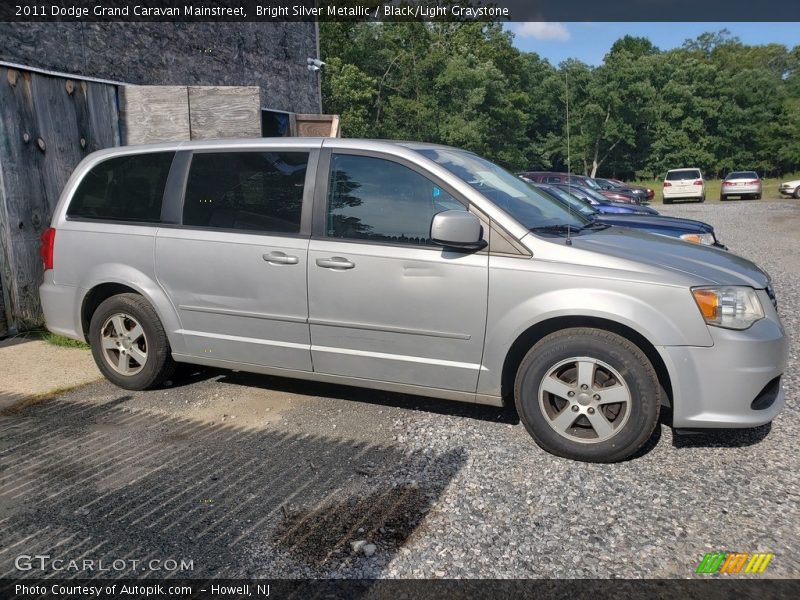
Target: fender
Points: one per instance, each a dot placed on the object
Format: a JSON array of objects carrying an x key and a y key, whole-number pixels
[
  {"x": 682, "y": 326},
  {"x": 144, "y": 285}
]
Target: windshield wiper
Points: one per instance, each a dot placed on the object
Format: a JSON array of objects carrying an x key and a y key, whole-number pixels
[{"x": 560, "y": 228}]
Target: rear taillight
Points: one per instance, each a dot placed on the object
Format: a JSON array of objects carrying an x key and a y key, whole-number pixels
[
  {"x": 667, "y": 184},
  {"x": 753, "y": 182},
  {"x": 698, "y": 182},
  {"x": 46, "y": 249}
]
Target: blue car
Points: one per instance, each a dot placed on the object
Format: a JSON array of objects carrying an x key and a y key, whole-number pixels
[
  {"x": 688, "y": 230},
  {"x": 603, "y": 204}
]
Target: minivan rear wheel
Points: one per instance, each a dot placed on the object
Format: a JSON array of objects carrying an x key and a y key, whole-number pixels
[
  {"x": 588, "y": 394},
  {"x": 129, "y": 343}
]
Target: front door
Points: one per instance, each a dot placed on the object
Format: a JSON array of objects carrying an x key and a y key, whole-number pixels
[
  {"x": 235, "y": 268},
  {"x": 385, "y": 303}
]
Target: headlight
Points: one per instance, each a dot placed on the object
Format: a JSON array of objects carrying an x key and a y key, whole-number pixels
[
  {"x": 707, "y": 239},
  {"x": 733, "y": 307}
]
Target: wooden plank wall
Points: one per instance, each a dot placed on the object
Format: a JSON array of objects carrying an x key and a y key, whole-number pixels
[
  {"x": 3, "y": 322},
  {"x": 47, "y": 126},
  {"x": 224, "y": 112}
]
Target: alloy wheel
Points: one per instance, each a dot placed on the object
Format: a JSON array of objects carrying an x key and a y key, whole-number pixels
[{"x": 124, "y": 344}]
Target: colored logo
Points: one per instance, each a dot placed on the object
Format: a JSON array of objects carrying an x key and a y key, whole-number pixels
[{"x": 734, "y": 562}]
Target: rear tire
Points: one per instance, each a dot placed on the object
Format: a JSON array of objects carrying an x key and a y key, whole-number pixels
[
  {"x": 588, "y": 394},
  {"x": 758, "y": 196},
  {"x": 702, "y": 198},
  {"x": 129, "y": 343},
  {"x": 722, "y": 198},
  {"x": 667, "y": 200}
]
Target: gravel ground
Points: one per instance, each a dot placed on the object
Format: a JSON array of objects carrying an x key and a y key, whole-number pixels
[{"x": 263, "y": 477}]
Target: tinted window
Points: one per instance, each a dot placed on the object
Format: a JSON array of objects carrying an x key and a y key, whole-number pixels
[
  {"x": 683, "y": 174},
  {"x": 522, "y": 201},
  {"x": 253, "y": 191},
  {"x": 126, "y": 188},
  {"x": 380, "y": 200},
  {"x": 742, "y": 175}
]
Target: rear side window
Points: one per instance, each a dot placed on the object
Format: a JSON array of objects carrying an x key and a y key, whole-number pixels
[
  {"x": 249, "y": 191},
  {"x": 683, "y": 174},
  {"x": 126, "y": 188}
]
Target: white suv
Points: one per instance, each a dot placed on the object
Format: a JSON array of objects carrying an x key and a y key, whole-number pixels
[{"x": 684, "y": 184}]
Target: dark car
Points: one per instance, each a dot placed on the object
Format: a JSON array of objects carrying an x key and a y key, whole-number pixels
[
  {"x": 556, "y": 178},
  {"x": 612, "y": 185},
  {"x": 603, "y": 204},
  {"x": 688, "y": 230},
  {"x": 649, "y": 192}
]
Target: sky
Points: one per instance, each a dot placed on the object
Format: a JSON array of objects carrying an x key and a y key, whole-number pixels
[{"x": 589, "y": 42}]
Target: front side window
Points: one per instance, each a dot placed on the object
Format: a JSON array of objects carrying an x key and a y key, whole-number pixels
[
  {"x": 125, "y": 188},
  {"x": 250, "y": 191},
  {"x": 382, "y": 201}
]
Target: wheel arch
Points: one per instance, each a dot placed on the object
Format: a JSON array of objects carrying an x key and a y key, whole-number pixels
[
  {"x": 528, "y": 338},
  {"x": 106, "y": 288}
]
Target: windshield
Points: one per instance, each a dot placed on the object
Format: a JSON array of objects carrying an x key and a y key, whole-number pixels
[
  {"x": 683, "y": 174},
  {"x": 569, "y": 200},
  {"x": 742, "y": 175},
  {"x": 590, "y": 183},
  {"x": 529, "y": 206},
  {"x": 591, "y": 194}
]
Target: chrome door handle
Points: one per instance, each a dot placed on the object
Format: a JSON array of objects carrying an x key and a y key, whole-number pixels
[
  {"x": 280, "y": 258},
  {"x": 335, "y": 262}
]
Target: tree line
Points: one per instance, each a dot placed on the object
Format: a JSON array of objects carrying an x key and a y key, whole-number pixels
[{"x": 714, "y": 103}]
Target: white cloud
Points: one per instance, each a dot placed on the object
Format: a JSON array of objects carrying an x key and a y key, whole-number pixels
[{"x": 542, "y": 30}]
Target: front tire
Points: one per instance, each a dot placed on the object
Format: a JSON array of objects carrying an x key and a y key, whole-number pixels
[
  {"x": 588, "y": 394},
  {"x": 796, "y": 192},
  {"x": 129, "y": 343}
]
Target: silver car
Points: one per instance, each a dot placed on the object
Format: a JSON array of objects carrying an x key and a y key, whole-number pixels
[
  {"x": 743, "y": 184},
  {"x": 407, "y": 267}
]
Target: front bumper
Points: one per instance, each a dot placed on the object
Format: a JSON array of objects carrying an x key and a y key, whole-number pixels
[
  {"x": 787, "y": 189},
  {"x": 733, "y": 383}
]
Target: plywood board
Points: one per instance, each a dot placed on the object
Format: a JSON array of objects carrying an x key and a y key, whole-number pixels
[
  {"x": 154, "y": 113},
  {"x": 224, "y": 112},
  {"x": 310, "y": 125}
]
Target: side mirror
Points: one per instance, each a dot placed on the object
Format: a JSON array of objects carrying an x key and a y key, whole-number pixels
[{"x": 457, "y": 229}]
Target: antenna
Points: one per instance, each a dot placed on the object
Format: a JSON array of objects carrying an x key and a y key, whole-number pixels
[{"x": 569, "y": 164}]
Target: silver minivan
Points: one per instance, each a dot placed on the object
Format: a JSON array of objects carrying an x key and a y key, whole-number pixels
[{"x": 406, "y": 267}]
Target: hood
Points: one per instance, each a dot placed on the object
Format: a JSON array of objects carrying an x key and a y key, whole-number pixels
[
  {"x": 631, "y": 208},
  {"x": 656, "y": 222},
  {"x": 704, "y": 265},
  {"x": 792, "y": 182}
]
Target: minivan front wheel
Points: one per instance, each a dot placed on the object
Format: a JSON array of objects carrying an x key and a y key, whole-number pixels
[
  {"x": 129, "y": 343},
  {"x": 588, "y": 394}
]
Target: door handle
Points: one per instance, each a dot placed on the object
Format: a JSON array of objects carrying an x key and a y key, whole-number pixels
[
  {"x": 280, "y": 258},
  {"x": 335, "y": 262}
]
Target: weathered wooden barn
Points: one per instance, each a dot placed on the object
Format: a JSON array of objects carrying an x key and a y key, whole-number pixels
[{"x": 68, "y": 89}]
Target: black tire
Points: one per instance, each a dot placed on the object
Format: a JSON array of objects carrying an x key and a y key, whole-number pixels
[
  {"x": 667, "y": 200},
  {"x": 796, "y": 192},
  {"x": 639, "y": 382},
  {"x": 758, "y": 196},
  {"x": 722, "y": 198},
  {"x": 702, "y": 198},
  {"x": 152, "y": 344}
]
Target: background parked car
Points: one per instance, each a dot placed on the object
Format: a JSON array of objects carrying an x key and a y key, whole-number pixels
[
  {"x": 745, "y": 184},
  {"x": 689, "y": 230},
  {"x": 555, "y": 178},
  {"x": 649, "y": 192},
  {"x": 790, "y": 188},
  {"x": 684, "y": 184},
  {"x": 603, "y": 204},
  {"x": 609, "y": 185}
]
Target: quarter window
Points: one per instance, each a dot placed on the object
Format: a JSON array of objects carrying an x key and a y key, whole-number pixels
[
  {"x": 125, "y": 188},
  {"x": 383, "y": 201},
  {"x": 252, "y": 191}
]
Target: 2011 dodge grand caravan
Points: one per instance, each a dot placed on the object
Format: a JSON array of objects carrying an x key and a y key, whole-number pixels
[{"x": 407, "y": 267}]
